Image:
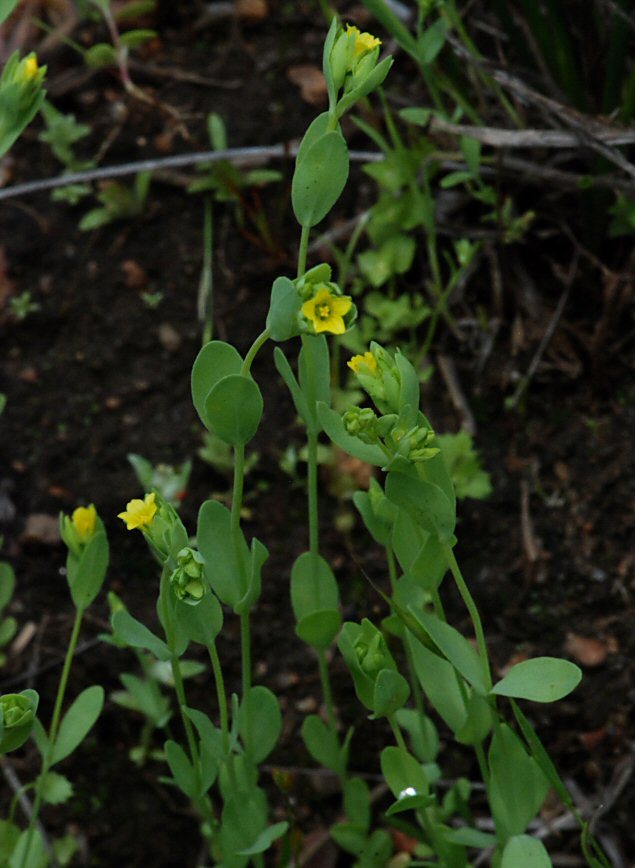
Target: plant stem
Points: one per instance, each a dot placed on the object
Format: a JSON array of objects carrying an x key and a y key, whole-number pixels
[
  {"x": 474, "y": 614},
  {"x": 257, "y": 345},
  {"x": 396, "y": 731},
  {"x": 221, "y": 695},
  {"x": 55, "y": 722},
  {"x": 302, "y": 252}
]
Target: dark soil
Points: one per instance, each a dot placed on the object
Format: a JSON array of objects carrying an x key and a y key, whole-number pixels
[{"x": 91, "y": 376}]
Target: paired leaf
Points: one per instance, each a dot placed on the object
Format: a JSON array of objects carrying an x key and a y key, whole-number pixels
[
  {"x": 543, "y": 679},
  {"x": 78, "y": 722},
  {"x": 320, "y": 176}
]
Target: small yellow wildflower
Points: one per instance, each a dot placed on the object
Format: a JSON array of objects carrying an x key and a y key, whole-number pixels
[
  {"x": 83, "y": 519},
  {"x": 366, "y": 364},
  {"x": 30, "y": 68},
  {"x": 139, "y": 513},
  {"x": 327, "y": 311},
  {"x": 363, "y": 41}
]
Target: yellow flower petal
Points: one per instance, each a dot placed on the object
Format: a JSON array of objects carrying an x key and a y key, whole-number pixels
[
  {"x": 326, "y": 311},
  {"x": 139, "y": 513},
  {"x": 83, "y": 519},
  {"x": 363, "y": 41},
  {"x": 366, "y": 364}
]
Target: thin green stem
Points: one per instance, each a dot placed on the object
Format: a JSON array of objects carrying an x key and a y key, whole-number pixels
[
  {"x": 312, "y": 479},
  {"x": 326, "y": 689},
  {"x": 467, "y": 598},
  {"x": 396, "y": 731},
  {"x": 55, "y": 722},
  {"x": 245, "y": 645},
  {"x": 253, "y": 351},
  {"x": 302, "y": 252},
  {"x": 221, "y": 695}
]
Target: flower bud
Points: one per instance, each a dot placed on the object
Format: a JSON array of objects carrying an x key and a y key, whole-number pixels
[
  {"x": 187, "y": 579},
  {"x": 361, "y": 423},
  {"x": 17, "y": 716},
  {"x": 78, "y": 529}
]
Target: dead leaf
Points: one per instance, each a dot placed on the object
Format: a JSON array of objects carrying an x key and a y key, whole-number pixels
[
  {"x": 41, "y": 528},
  {"x": 588, "y": 652},
  {"x": 590, "y": 740},
  {"x": 134, "y": 276},
  {"x": 311, "y": 82},
  {"x": 252, "y": 10}
]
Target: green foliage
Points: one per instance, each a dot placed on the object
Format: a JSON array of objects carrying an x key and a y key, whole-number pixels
[
  {"x": 118, "y": 202},
  {"x": 464, "y": 465}
]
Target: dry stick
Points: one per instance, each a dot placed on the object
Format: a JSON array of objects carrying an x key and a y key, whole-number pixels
[
  {"x": 588, "y": 130},
  {"x": 234, "y": 155},
  {"x": 529, "y": 138}
]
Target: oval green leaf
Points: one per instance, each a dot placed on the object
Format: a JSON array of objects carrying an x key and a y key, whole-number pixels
[
  {"x": 234, "y": 409},
  {"x": 319, "y": 178},
  {"x": 543, "y": 679}
]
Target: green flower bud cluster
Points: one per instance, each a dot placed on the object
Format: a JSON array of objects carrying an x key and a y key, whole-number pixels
[
  {"x": 350, "y": 65},
  {"x": 377, "y": 681},
  {"x": 361, "y": 423},
  {"x": 414, "y": 444},
  {"x": 187, "y": 579},
  {"x": 17, "y": 716},
  {"x": 165, "y": 534}
]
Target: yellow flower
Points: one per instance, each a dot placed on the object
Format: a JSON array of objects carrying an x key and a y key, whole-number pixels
[
  {"x": 363, "y": 41},
  {"x": 366, "y": 364},
  {"x": 83, "y": 519},
  {"x": 327, "y": 311},
  {"x": 30, "y": 68},
  {"x": 139, "y": 513}
]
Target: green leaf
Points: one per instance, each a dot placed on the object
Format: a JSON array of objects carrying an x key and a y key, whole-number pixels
[
  {"x": 313, "y": 586},
  {"x": 319, "y": 629},
  {"x": 181, "y": 769},
  {"x": 469, "y": 837},
  {"x": 322, "y": 743},
  {"x": 97, "y": 56},
  {"x": 244, "y": 818},
  {"x": 478, "y": 722},
  {"x": 86, "y": 575},
  {"x": 265, "y": 839},
  {"x": 372, "y": 81},
  {"x": 144, "y": 697},
  {"x": 134, "y": 38},
  {"x": 78, "y": 722},
  {"x": 33, "y": 857},
  {"x": 526, "y": 851},
  {"x": 314, "y": 370},
  {"x": 40, "y": 738},
  {"x": 211, "y": 737},
  {"x": 391, "y": 693},
  {"x": 425, "y": 502},
  {"x": 543, "y": 679},
  {"x": 319, "y": 179},
  {"x": 455, "y": 647},
  {"x": 6, "y": 8},
  {"x": 357, "y": 802},
  {"x": 136, "y": 635},
  {"x": 403, "y": 773},
  {"x": 282, "y": 319},
  {"x": 517, "y": 785},
  {"x": 332, "y": 423},
  {"x": 56, "y": 789},
  {"x": 201, "y": 623},
  {"x": 214, "y": 361},
  {"x": 259, "y": 723},
  {"x": 315, "y": 131},
  {"x": 299, "y": 400},
  {"x": 228, "y": 577},
  {"x": 134, "y": 9},
  {"x": 439, "y": 682},
  {"x": 234, "y": 409},
  {"x": 7, "y": 583},
  {"x": 431, "y": 42}
]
